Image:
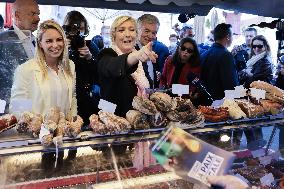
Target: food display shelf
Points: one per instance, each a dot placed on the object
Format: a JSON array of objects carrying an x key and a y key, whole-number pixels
[{"x": 12, "y": 142}]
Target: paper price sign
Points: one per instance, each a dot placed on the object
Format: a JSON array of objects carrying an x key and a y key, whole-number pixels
[
  {"x": 217, "y": 103},
  {"x": 107, "y": 106},
  {"x": 43, "y": 131},
  {"x": 180, "y": 89},
  {"x": 258, "y": 153},
  {"x": 266, "y": 180},
  {"x": 240, "y": 91},
  {"x": 242, "y": 178},
  {"x": 229, "y": 94},
  {"x": 276, "y": 155},
  {"x": 2, "y": 106},
  {"x": 265, "y": 160},
  {"x": 257, "y": 93}
]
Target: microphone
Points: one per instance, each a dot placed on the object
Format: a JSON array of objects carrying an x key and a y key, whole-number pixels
[{"x": 193, "y": 79}]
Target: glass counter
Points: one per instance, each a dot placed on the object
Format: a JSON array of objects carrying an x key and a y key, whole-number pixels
[{"x": 96, "y": 161}]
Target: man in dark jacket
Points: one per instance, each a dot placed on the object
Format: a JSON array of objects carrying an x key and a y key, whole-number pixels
[
  {"x": 241, "y": 53},
  {"x": 218, "y": 73},
  {"x": 148, "y": 26},
  {"x": 218, "y": 70}
]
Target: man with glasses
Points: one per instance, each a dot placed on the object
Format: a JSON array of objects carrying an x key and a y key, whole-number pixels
[
  {"x": 241, "y": 53},
  {"x": 25, "y": 14},
  {"x": 148, "y": 26},
  {"x": 187, "y": 31}
]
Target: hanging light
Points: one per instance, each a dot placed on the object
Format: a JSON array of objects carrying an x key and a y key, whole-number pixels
[{"x": 224, "y": 138}]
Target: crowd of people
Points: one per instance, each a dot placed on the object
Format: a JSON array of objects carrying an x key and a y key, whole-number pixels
[{"x": 124, "y": 61}]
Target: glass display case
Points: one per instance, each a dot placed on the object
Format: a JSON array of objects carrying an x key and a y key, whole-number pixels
[{"x": 96, "y": 161}]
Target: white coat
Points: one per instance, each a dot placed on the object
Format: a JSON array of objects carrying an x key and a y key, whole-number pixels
[{"x": 29, "y": 84}]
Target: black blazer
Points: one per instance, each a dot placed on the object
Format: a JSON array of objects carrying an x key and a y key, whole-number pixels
[
  {"x": 261, "y": 70},
  {"x": 86, "y": 77},
  {"x": 117, "y": 85}
]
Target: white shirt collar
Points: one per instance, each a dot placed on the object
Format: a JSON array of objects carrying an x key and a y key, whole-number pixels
[
  {"x": 26, "y": 41},
  {"x": 20, "y": 33}
]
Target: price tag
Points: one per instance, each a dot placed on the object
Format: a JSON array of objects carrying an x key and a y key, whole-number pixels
[
  {"x": 258, "y": 153},
  {"x": 265, "y": 160},
  {"x": 266, "y": 180},
  {"x": 2, "y": 106},
  {"x": 242, "y": 178},
  {"x": 229, "y": 94},
  {"x": 180, "y": 89},
  {"x": 43, "y": 131},
  {"x": 21, "y": 105},
  {"x": 276, "y": 155},
  {"x": 240, "y": 91},
  {"x": 107, "y": 106},
  {"x": 217, "y": 103},
  {"x": 257, "y": 93}
]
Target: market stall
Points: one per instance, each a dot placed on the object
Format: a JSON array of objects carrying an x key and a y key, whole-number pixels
[
  {"x": 99, "y": 161},
  {"x": 90, "y": 166}
]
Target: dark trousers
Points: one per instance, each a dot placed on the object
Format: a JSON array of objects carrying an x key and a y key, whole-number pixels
[
  {"x": 281, "y": 140},
  {"x": 48, "y": 160},
  {"x": 254, "y": 138}
]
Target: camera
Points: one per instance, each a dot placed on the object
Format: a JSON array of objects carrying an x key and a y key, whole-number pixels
[
  {"x": 73, "y": 33},
  {"x": 280, "y": 30}
]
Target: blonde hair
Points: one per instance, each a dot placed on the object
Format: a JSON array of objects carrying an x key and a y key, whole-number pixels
[
  {"x": 39, "y": 54},
  {"x": 117, "y": 22}
]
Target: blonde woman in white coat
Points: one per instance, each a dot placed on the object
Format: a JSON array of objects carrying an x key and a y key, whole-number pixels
[{"x": 48, "y": 79}]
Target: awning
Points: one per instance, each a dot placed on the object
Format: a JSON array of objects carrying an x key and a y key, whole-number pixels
[{"x": 270, "y": 8}]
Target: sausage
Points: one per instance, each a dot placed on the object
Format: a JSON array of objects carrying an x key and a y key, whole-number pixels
[
  {"x": 7, "y": 120},
  {"x": 214, "y": 115}
]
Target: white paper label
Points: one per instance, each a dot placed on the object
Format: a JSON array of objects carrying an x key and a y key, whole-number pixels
[
  {"x": 180, "y": 89},
  {"x": 257, "y": 93},
  {"x": 265, "y": 160},
  {"x": 258, "y": 153},
  {"x": 21, "y": 105},
  {"x": 242, "y": 178},
  {"x": 43, "y": 131},
  {"x": 107, "y": 106},
  {"x": 217, "y": 103},
  {"x": 2, "y": 106},
  {"x": 266, "y": 180},
  {"x": 276, "y": 155},
  {"x": 240, "y": 91},
  {"x": 229, "y": 94}
]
